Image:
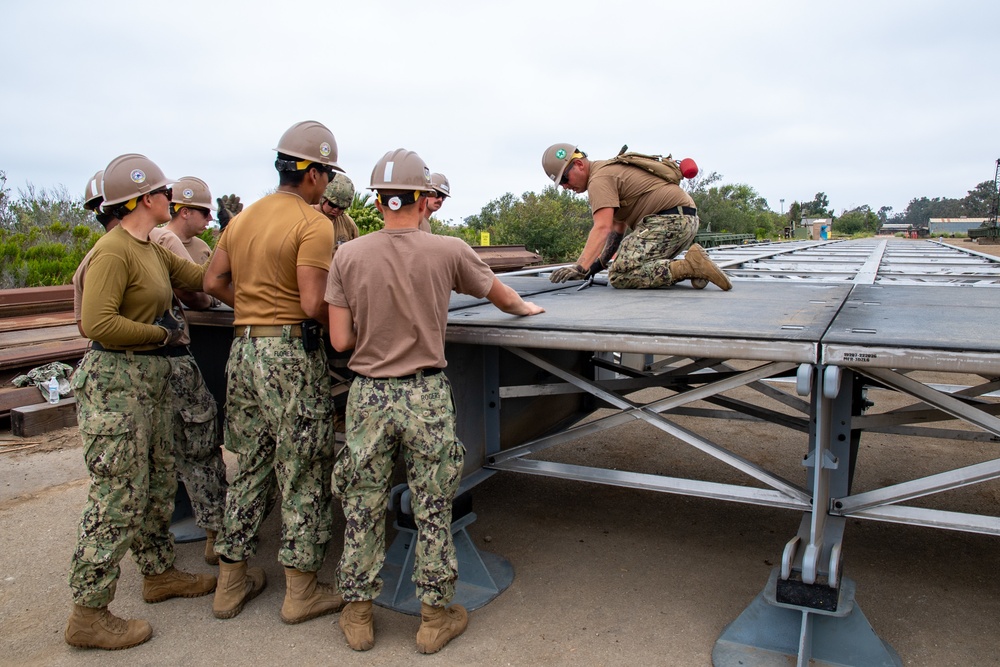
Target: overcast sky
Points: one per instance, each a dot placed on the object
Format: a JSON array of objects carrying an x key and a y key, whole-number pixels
[{"x": 873, "y": 102}]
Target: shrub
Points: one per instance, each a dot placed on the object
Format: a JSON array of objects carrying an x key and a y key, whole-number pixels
[{"x": 43, "y": 236}]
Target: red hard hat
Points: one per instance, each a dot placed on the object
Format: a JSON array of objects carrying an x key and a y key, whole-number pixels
[{"x": 689, "y": 169}]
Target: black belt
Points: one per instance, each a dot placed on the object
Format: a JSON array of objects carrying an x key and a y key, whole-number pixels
[
  {"x": 177, "y": 351},
  {"x": 678, "y": 210},
  {"x": 426, "y": 372}
]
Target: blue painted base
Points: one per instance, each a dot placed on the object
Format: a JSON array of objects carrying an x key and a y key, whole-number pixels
[
  {"x": 766, "y": 634},
  {"x": 482, "y": 576}
]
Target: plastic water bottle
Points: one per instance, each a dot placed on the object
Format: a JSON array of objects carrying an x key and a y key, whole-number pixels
[{"x": 53, "y": 387}]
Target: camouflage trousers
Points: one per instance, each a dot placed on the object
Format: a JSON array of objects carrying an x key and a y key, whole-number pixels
[
  {"x": 279, "y": 424},
  {"x": 125, "y": 423},
  {"x": 385, "y": 416},
  {"x": 197, "y": 448},
  {"x": 644, "y": 257}
]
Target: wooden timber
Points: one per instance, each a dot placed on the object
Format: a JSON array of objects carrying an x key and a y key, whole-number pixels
[
  {"x": 33, "y": 336},
  {"x": 16, "y": 397},
  {"x": 31, "y": 420},
  {"x": 45, "y": 320},
  {"x": 37, "y": 327},
  {"x": 29, "y": 356},
  {"x": 35, "y": 300},
  {"x": 507, "y": 257}
]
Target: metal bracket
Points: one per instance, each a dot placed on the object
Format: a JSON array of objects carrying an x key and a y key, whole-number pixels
[
  {"x": 830, "y": 462},
  {"x": 788, "y": 556}
]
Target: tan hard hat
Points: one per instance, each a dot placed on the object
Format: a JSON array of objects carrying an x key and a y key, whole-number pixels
[
  {"x": 440, "y": 184},
  {"x": 93, "y": 195},
  {"x": 555, "y": 159},
  {"x": 191, "y": 191},
  {"x": 129, "y": 176},
  {"x": 401, "y": 170},
  {"x": 340, "y": 192},
  {"x": 312, "y": 141}
]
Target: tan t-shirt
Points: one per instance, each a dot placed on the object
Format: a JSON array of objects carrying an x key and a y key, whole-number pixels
[
  {"x": 397, "y": 284},
  {"x": 127, "y": 283},
  {"x": 633, "y": 192},
  {"x": 198, "y": 250},
  {"x": 425, "y": 225},
  {"x": 266, "y": 243},
  {"x": 167, "y": 239}
]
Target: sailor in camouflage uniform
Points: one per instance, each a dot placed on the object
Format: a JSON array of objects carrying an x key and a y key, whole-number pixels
[
  {"x": 121, "y": 389},
  {"x": 337, "y": 198},
  {"x": 388, "y": 293},
  {"x": 197, "y": 446},
  {"x": 661, "y": 216},
  {"x": 271, "y": 266}
]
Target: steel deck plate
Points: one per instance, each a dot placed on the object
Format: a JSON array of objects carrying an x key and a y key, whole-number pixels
[
  {"x": 924, "y": 317},
  {"x": 932, "y": 317},
  {"x": 781, "y": 312},
  {"x": 916, "y": 328},
  {"x": 526, "y": 286},
  {"x": 782, "y": 323}
]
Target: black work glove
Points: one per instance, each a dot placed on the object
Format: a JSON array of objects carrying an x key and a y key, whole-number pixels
[
  {"x": 173, "y": 323},
  {"x": 596, "y": 268},
  {"x": 229, "y": 205},
  {"x": 575, "y": 272}
]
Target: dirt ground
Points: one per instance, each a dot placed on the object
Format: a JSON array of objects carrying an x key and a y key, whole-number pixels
[{"x": 603, "y": 575}]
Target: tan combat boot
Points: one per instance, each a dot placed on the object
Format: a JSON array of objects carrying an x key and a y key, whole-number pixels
[
  {"x": 99, "y": 628},
  {"x": 439, "y": 625},
  {"x": 211, "y": 557},
  {"x": 697, "y": 266},
  {"x": 238, "y": 584},
  {"x": 358, "y": 625},
  {"x": 173, "y": 583},
  {"x": 306, "y": 598}
]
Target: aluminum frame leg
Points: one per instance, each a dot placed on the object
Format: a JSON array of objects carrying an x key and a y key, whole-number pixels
[{"x": 807, "y": 610}]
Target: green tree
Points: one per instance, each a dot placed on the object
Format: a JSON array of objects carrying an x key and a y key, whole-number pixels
[
  {"x": 701, "y": 182},
  {"x": 42, "y": 208},
  {"x": 884, "y": 214},
  {"x": 736, "y": 208},
  {"x": 979, "y": 202},
  {"x": 552, "y": 224},
  {"x": 861, "y": 220},
  {"x": 818, "y": 207},
  {"x": 364, "y": 213},
  {"x": 794, "y": 214},
  {"x": 920, "y": 210},
  {"x": 463, "y": 232},
  {"x": 6, "y": 212},
  {"x": 43, "y": 236}
]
